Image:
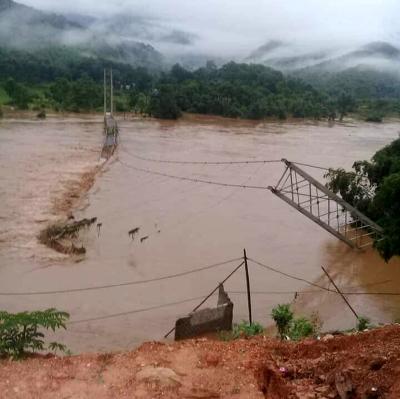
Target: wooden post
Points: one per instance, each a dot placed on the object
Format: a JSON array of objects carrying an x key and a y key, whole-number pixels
[
  {"x": 248, "y": 286},
  {"x": 340, "y": 293}
]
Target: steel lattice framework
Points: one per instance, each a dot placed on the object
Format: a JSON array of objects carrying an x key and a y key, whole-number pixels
[{"x": 314, "y": 200}]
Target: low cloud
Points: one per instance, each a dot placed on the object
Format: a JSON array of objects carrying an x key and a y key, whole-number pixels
[{"x": 235, "y": 28}]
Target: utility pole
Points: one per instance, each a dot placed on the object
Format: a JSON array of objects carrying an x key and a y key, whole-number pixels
[
  {"x": 112, "y": 94},
  {"x": 248, "y": 286}
]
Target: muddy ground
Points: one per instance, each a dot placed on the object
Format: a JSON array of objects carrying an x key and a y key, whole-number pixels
[{"x": 365, "y": 365}]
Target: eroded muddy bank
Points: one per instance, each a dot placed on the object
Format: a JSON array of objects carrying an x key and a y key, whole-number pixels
[{"x": 47, "y": 167}]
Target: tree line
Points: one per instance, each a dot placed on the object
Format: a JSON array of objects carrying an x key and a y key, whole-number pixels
[{"x": 62, "y": 79}]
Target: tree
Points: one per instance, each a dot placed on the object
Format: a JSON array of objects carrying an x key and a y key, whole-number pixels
[
  {"x": 283, "y": 317},
  {"x": 374, "y": 188},
  {"x": 163, "y": 103},
  {"x": 21, "y": 333},
  {"x": 85, "y": 95},
  {"x": 345, "y": 104},
  {"x": 142, "y": 104},
  {"x": 179, "y": 74},
  {"x": 18, "y": 93},
  {"x": 387, "y": 204},
  {"x": 60, "y": 92}
]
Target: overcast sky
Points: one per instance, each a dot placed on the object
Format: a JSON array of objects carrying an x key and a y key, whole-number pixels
[{"x": 229, "y": 24}]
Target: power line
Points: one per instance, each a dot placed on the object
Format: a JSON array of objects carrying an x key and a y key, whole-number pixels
[
  {"x": 274, "y": 292},
  {"x": 373, "y": 293},
  {"x": 142, "y": 310},
  {"x": 120, "y": 284},
  {"x": 194, "y": 180},
  {"x": 203, "y": 298},
  {"x": 202, "y": 162},
  {"x": 129, "y": 312},
  {"x": 195, "y": 215},
  {"x": 315, "y": 285},
  {"x": 290, "y": 275}
]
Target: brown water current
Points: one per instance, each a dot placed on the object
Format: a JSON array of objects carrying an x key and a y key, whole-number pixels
[{"x": 187, "y": 225}]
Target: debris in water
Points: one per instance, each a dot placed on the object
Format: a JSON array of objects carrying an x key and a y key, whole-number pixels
[
  {"x": 144, "y": 238},
  {"x": 133, "y": 232},
  {"x": 41, "y": 114},
  {"x": 54, "y": 234},
  {"x": 78, "y": 251}
]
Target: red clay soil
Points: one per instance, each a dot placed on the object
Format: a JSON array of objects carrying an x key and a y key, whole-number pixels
[{"x": 366, "y": 365}]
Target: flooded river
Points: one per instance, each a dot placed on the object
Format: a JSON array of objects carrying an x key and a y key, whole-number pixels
[{"x": 183, "y": 225}]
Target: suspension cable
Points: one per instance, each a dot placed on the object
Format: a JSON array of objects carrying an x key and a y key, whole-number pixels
[
  {"x": 194, "y": 180},
  {"x": 129, "y": 312},
  {"x": 169, "y": 161},
  {"x": 121, "y": 284},
  {"x": 290, "y": 275}
]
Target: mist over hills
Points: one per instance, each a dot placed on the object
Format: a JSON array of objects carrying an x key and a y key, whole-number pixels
[
  {"x": 291, "y": 57},
  {"x": 142, "y": 41},
  {"x": 27, "y": 29}
]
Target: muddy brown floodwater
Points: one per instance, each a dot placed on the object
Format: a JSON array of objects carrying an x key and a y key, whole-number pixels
[{"x": 188, "y": 225}]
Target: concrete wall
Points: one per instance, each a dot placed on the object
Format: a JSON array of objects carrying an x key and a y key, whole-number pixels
[{"x": 207, "y": 320}]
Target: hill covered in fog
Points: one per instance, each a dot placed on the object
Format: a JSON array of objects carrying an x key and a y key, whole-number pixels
[{"x": 27, "y": 29}]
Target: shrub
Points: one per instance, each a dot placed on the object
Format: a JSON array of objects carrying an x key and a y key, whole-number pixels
[
  {"x": 242, "y": 330},
  {"x": 20, "y": 333},
  {"x": 301, "y": 328},
  {"x": 245, "y": 329},
  {"x": 283, "y": 317},
  {"x": 363, "y": 323},
  {"x": 294, "y": 328}
]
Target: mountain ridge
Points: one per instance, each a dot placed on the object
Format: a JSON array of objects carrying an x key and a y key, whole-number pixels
[{"x": 26, "y": 28}]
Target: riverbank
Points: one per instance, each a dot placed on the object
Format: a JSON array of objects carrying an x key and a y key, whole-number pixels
[
  {"x": 364, "y": 365},
  {"x": 10, "y": 112},
  {"x": 48, "y": 167}
]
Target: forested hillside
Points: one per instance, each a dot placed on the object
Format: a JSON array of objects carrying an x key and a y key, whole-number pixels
[
  {"x": 63, "y": 79},
  {"x": 31, "y": 30}
]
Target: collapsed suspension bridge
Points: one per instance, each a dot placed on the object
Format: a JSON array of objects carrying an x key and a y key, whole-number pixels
[
  {"x": 296, "y": 187},
  {"x": 300, "y": 190}
]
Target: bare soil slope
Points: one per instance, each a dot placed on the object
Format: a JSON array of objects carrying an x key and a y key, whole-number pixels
[{"x": 366, "y": 365}]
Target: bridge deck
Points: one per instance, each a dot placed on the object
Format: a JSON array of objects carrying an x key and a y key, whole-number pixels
[
  {"x": 331, "y": 212},
  {"x": 111, "y": 136}
]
